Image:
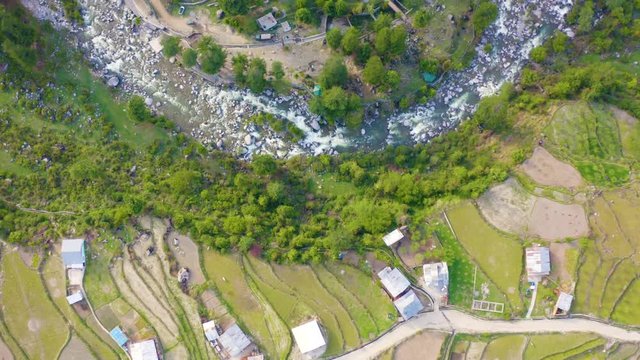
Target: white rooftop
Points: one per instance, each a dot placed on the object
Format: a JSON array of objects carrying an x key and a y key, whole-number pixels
[
  {"x": 564, "y": 302},
  {"x": 145, "y": 350},
  {"x": 538, "y": 262},
  {"x": 393, "y": 281},
  {"x": 74, "y": 298},
  {"x": 308, "y": 337},
  {"x": 267, "y": 22},
  {"x": 72, "y": 245},
  {"x": 393, "y": 237},
  {"x": 210, "y": 330},
  {"x": 436, "y": 275}
]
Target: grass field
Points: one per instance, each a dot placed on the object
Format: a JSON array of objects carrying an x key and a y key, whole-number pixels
[
  {"x": 498, "y": 256},
  {"x": 506, "y": 347},
  {"x": 98, "y": 284},
  {"x": 541, "y": 346},
  {"x": 28, "y": 313}
]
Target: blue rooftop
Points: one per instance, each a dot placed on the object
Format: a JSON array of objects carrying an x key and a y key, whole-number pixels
[{"x": 119, "y": 336}]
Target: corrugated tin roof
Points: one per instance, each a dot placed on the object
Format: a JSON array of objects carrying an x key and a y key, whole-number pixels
[
  {"x": 233, "y": 340},
  {"x": 72, "y": 245},
  {"x": 210, "y": 330},
  {"x": 119, "y": 336},
  {"x": 408, "y": 305},
  {"x": 393, "y": 237},
  {"x": 145, "y": 350},
  {"x": 74, "y": 298},
  {"x": 538, "y": 261},
  {"x": 308, "y": 337},
  {"x": 436, "y": 275},
  {"x": 564, "y": 302},
  {"x": 393, "y": 281}
]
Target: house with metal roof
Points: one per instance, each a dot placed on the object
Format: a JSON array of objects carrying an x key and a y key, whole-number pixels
[
  {"x": 394, "y": 282},
  {"x": 210, "y": 330},
  {"x": 144, "y": 350},
  {"x": 408, "y": 305},
  {"x": 75, "y": 298},
  {"x": 538, "y": 262},
  {"x": 310, "y": 339},
  {"x": 267, "y": 22},
  {"x": 233, "y": 341},
  {"x": 563, "y": 305},
  {"x": 73, "y": 255},
  {"x": 393, "y": 237},
  {"x": 436, "y": 276},
  {"x": 118, "y": 336}
]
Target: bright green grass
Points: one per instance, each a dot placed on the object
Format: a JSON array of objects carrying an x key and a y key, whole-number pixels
[
  {"x": 98, "y": 284},
  {"x": 505, "y": 347},
  {"x": 28, "y": 313},
  {"x": 624, "y": 274},
  {"x": 227, "y": 275},
  {"x": 541, "y": 346},
  {"x": 626, "y": 311},
  {"x": 498, "y": 256},
  {"x": 54, "y": 278},
  {"x": 330, "y": 186},
  {"x": 7, "y": 165},
  {"x": 579, "y": 350}
]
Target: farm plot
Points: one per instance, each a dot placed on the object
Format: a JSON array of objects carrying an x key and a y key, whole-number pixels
[
  {"x": 120, "y": 313},
  {"x": 506, "y": 347},
  {"x": 28, "y": 313},
  {"x": 561, "y": 345},
  {"x": 76, "y": 350},
  {"x": 544, "y": 169},
  {"x": 588, "y": 135},
  {"x": 425, "y": 346},
  {"x": 498, "y": 256},
  {"x": 186, "y": 254}
]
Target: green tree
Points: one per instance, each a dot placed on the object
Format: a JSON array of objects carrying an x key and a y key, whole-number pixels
[
  {"x": 277, "y": 70},
  {"x": 559, "y": 42},
  {"x": 585, "y": 17},
  {"x": 212, "y": 56},
  {"x": 189, "y": 58},
  {"x": 239, "y": 65},
  {"x": 255, "y": 75},
  {"x": 138, "y": 110},
  {"x": 170, "y": 46},
  {"x": 264, "y": 165},
  {"x": 485, "y": 14},
  {"x": 492, "y": 113},
  {"x": 392, "y": 79},
  {"x": 374, "y": 71},
  {"x": 334, "y": 73},
  {"x": 303, "y": 16},
  {"x": 422, "y": 18},
  {"x": 539, "y": 54},
  {"x": 235, "y": 7},
  {"x": 334, "y": 38},
  {"x": 338, "y": 104},
  {"x": 341, "y": 8},
  {"x": 383, "y": 20},
  {"x": 350, "y": 41}
]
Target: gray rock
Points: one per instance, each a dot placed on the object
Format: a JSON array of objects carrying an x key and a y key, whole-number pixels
[{"x": 113, "y": 81}]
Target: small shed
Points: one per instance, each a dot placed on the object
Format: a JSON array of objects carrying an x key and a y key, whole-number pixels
[
  {"x": 538, "y": 262},
  {"x": 408, "y": 305},
  {"x": 118, "y": 336},
  {"x": 563, "y": 305},
  {"x": 393, "y": 237},
  {"x": 429, "y": 78},
  {"x": 317, "y": 90},
  {"x": 267, "y": 22},
  {"x": 393, "y": 281},
  {"x": 73, "y": 253},
  {"x": 286, "y": 27},
  {"x": 309, "y": 338},
  {"x": 210, "y": 330},
  {"x": 144, "y": 350},
  {"x": 436, "y": 275},
  {"x": 75, "y": 298},
  {"x": 234, "y": 341}
]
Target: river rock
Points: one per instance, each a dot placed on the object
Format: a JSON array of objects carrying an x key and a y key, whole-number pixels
[
  {"x": 315, "y": 125},
  {"x": 248, "y": 139},
  {"x": 113, "y": 81}
]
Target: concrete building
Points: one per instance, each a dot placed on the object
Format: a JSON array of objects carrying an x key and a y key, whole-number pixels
[
  {"x": 538, "y": 263},
  {"x": 75, "y": 298},
  {"x": 393, "y": 281},
  {"x": 309, "y": 339},
  {"x": 233, "y": 341},
  {"x": 144, "y": 350},
  {"x": 563, "y": 305},
  {"x": 73, "y": 255},
  {"x": 393, "y": 237},
  {"x": 436, "y": 276},
  {"x": 267, "y": 22},
  {"x": 408, "y": 305}
]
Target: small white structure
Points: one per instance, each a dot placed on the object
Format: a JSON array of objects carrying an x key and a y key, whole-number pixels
[
  {"x": 286, "y": 27},
  {"x": 144, "y": 350},
  {"x": 267, "y": 22},
  {"x": 393, "y": 281},
  {"x": 75, "y": 298},
  {"x": 408, "y": 305},
  {"x": 436, "y": 275},
  {"x": 393, "y": 237},
  {"x": 538, "y": 263},
  {"x": 210, "y": 331},
  {"x": 73, "y": 253},
  {"x": 563, "y": 305},
  {"x": 309, "y": 339}
]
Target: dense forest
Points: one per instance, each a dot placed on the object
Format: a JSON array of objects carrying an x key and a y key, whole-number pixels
[{"x": 75, "y": 162}]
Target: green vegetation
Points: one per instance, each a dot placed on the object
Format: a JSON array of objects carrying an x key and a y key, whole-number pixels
[
  {"x": 212, "y": 56},
  {"x": 484, "y": 15},
  {"x": 28, "y": 312},
  {"x": 542, "y": 346},
  {"x": 189, "y": 58},
  {"x": 170, "y": 46},
  {"x": 505, "y": 347}
]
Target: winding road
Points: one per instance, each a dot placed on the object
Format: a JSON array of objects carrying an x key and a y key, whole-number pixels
[{"x": 454, "y": 320}]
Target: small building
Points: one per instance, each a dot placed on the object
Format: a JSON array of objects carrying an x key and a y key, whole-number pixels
[
  {"x": 233, "y": 341},
  {"x": 144, "y": 350},
  {"x": 286, "y": 27},
  {"x": 317, "y": 90},
  {"x": 210, "y": 331},
  {"x": 264, "y": 37},
  {"x": 563, "y": 305},
  {"x": 267, "y": 22},
  {"x": 436, "y": 276},
  {"x": 309, "y": 339},
  {"x": 75, "y": 298},
  {"x": 394, "y": 282},
  {"x": 538, "y": 263},
  {"x": 393, "y": 237},
  {"x": 408, "y": 305},
  {"x": 429, "y": 78},
  {"x": 73, "y": 253},
  {"x": 118, "y": 336}
]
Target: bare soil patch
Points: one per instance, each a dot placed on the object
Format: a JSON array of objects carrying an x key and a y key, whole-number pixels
[
  {"x": 424, "y": 346},
  {"x": 544, "y": 169},
  {"x": 623, "y": 115},
  {"x": 475, "y": 351},
  {"x": 554, "y": 221},
  {"x": 186, "y": 254},
  {"x": 559, "y": 266},
  {"x": 76, "y": 350},
  {"x": 34, "y": 324},
  {"x": 5, "y": 353}
]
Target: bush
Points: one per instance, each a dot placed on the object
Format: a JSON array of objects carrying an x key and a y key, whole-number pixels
[
  {"x": 374, "y": 71},
  {"x": 170, "y": 46},
  {"x": 189, "y": 58},
  {"x": 350, "y": 41},
  {"x": 485, "y": 14},
  {"x": 303, "y": 16},
  {"x": 334, "y": 38},
  {"x": 212, "y": 56},
  {"x": 334, "y": 73},
  {"x": 422, "y": 18},
  {"x": 539, "y": 54}
]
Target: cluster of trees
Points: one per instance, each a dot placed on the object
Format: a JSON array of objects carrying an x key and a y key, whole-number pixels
[
  {"x": 336, "y": 103},
  {"x": 212, "y": 57},
  {"x": 251, "y": 73}
]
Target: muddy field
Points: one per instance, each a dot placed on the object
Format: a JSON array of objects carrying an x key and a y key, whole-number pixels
[
  {"x": 510, "y": 208},
  {"x": 186, "y": 254},
  {"x": 5, "y": 353},
  {"x": 544, "y": 169},
  {"x": 424, "y": 346},
  {"x": 76, "y": 350}
]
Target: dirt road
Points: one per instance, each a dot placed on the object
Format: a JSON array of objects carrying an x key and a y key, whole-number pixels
[{"x": 449, "y": 320}]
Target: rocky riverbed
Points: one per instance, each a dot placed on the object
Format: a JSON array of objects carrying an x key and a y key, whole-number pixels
[{"x": 216, "y": 114}]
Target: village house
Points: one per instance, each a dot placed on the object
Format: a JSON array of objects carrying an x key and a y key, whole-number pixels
[
  {"x": 563, "y": 305},
  {"x": 73, "y": 255},
  {"x": 75, "y": 298},
  {"x": 394, "y": 282},
  {"x": 144, "y": 350},
  {"x": 408, "y": 305},
  {"x": 393, "y": 237},
  {"x": 436, "y": 276},
  {"x": 309, "y": 339},
  {"x": 118, "y": 336},
  {"x": 233, "y": 342},
  {"x": 267, "y": 22},
  {"x": 538, "y": 263}
]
